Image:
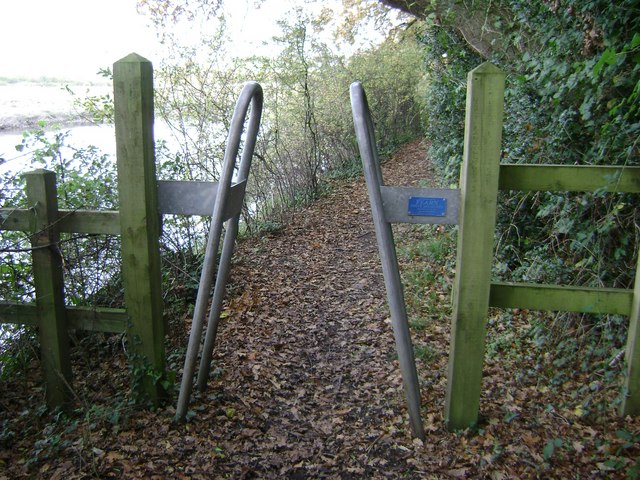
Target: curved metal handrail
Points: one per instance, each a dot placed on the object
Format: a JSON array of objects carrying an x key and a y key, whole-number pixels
[
  {"x": 384, "y": 234},
  {"x": 251, "y": 95}
]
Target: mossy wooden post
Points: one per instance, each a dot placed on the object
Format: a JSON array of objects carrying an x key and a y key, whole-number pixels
[
  {"x": 631, "y": 402},
  {"x": 42, "y": 196},
  {"x": 139, "y": 218},
  {"x": 478, "y": 191}
]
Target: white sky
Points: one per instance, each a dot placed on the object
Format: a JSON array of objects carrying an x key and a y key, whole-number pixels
[
  {"x": 69, "y": 38},
  {"x": 73, "y": 39}
]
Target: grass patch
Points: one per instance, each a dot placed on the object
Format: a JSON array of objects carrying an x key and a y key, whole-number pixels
[
  {"x": 419, "y": 324},
  {"x": 426, "y": 257},
  {"x": 424, "y": 353}
]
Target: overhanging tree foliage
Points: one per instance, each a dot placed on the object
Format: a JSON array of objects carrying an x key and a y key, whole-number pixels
[
  {"x": 307, "y": 134},
  {"x": 571, "y": 98},
  {"x": 475, "y": 21}
]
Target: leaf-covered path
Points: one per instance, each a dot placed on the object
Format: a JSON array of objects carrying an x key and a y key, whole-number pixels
[
  {"x": 306, "y": 385},
  {"x": 309, "y": 386}
]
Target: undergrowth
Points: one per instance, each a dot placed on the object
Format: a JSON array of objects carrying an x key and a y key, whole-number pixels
[{"x": 575, "y": 362}]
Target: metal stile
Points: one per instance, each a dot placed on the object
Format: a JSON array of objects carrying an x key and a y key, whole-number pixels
[
  {"x": 398, "y": 205},
  {"x": 225, "y": 201}
]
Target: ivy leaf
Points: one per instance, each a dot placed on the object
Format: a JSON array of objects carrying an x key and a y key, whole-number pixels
[
  {"x": 608, "y": 58},
  {"x": 547, "y": 451},
  {"x": 550, "y": 447},
  {"x": 586, "y": 107},
  {"x": 624, "y": 435}
]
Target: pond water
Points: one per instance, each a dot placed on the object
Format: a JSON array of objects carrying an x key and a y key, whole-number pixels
[
  {"x": 17, "y": 161},
  {"x": 101, "y": 136}
]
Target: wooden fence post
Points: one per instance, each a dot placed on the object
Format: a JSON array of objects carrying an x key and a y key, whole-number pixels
[
  {"x": 479, "y": 190},
  {"x": 42, "y": 196},
  {"x": 631, "y": 401},
  {"x": 139, "y": 219}
]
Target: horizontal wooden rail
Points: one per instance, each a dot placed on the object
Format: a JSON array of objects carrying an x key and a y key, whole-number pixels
[
  {"x": 569, "y": 178},
  {"x": 561, "y": 298},
  {"x": 113, "y": 320},
  {"x": 89, "y": 221},
  {"x": 182, "y": 198},
  {"x": 69, "y": 221}
]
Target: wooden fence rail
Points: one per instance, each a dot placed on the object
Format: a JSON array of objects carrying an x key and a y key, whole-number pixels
[
  {"x": 473, "y": 207},
  {"x": 482, "y": 176},
  {"x": 138, "y": 224}
]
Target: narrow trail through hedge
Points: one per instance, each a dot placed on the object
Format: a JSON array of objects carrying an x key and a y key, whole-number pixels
[
  {"x": 308, "y": 355},
  {"x": 306, "y": 384}
]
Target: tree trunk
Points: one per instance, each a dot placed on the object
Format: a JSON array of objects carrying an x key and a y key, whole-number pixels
[{"x": 474, "y": 20}]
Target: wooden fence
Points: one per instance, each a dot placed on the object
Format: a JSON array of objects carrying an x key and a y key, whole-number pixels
[
  {"x": 137, "y": 223},
  {"x": 481, "y": 178}
]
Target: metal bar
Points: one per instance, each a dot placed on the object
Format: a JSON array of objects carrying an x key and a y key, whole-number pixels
[
  {"x": 216, "y": 303},
  {"x": 384, "y": 234},
  {"x": 197, "y": 198},
  {"x": 396, "y": 202},
  {"x": 186, "y": 197},
  {"x": 251, "y": 94}
]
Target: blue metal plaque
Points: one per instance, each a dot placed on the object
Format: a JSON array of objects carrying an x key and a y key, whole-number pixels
[{"x": 427, "y": 206}]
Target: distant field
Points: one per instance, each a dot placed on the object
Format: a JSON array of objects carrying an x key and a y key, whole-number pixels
[
  {"x": 45, "y": 81},
  {"x": 23, "y": 104}
]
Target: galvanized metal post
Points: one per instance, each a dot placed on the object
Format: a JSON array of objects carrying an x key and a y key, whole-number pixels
[
  {"x": 251, "y": 90},
  {"x": 384, "y": 234}
]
